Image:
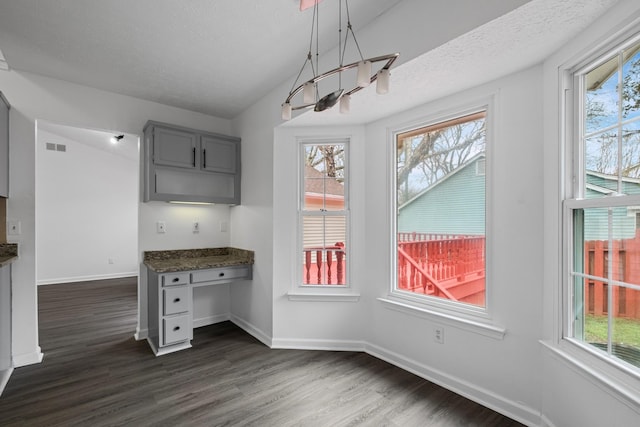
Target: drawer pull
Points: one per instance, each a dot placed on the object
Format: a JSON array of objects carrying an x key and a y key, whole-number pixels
[
  {"x": 220, "y": 274},
  {"x": 176, "y": 328},
  {"x": 176, "y": 279},
  {"x": 176, "y": 300}
]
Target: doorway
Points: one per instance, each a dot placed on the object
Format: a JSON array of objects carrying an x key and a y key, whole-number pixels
[{"x": 87, "y": 192}]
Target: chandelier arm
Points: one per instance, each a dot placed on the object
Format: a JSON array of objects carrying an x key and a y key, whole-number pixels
[{"x": 390, "y": 58}]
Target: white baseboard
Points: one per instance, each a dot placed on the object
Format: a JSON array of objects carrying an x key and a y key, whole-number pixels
[
  {"x": 60, "y": 280},
  {"x": 28, "y": 358},
  {"x": 315, "y": 344},
  {"x": 141, "y": 334},
  {"x": 509, "y": 408},
  {"x": 4, "y": 378},
  {"x": 210, "y": 320},
  {"x": 252, "y": 330}
]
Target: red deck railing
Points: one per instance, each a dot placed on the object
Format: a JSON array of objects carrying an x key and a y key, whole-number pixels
[
  {"x": 445, "y": 265},
  {"x": 324, "y": 265}
]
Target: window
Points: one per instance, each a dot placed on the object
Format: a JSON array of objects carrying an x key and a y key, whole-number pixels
[
  {"x": 440, "y": 201},
  {"x": 324, "y": 214},
  {"x": 603, "y": 312}
]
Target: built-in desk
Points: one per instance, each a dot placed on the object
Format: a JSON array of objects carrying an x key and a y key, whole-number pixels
[{"x": 171, "y": 277}]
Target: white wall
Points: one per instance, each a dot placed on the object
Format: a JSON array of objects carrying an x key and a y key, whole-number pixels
[
  {"x": 488, "y": 369},
  {"x": 34, "y": 97},
  {"x": 87, "y": 212}
]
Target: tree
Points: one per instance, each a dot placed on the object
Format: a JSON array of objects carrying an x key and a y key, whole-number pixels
[
  {"x": 425, "y": 158},
  {"x": 326, "y": 158}
]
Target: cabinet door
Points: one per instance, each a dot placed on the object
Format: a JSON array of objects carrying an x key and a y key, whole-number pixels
[
  {"x": 218, "y": 155},
  {"x": 4, "y": 146},
  {"x": 172, "y": 147}
]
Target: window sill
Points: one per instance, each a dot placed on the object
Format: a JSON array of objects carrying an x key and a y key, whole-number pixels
[
  {"x": 323, "y": 296},
  {"x": 486, "y": 329},
  {"x": 623, "y": 386}
]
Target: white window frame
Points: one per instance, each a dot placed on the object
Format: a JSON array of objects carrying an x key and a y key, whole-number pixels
[
  {"x": 461, "y": 315},
  {"x": 315, "y": 292},
  {"x": 612, "y": 372}
]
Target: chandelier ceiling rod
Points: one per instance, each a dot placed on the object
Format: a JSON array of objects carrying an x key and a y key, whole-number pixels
[{"x": 311, "y": 97}]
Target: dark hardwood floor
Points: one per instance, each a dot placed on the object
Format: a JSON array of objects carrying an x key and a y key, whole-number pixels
[{"x": 95, "y": 374}]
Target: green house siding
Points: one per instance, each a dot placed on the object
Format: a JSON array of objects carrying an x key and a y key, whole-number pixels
[
  {"x": 596, "y": 221},
  {"x": 455, "y": 205}
]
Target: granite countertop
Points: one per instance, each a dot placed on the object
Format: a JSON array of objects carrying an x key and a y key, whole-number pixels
[
  {"x": 8, "y": 253},
  {"x": 196, "y": 259}
]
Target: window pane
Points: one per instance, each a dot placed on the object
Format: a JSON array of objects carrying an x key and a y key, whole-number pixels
[
  {"x": 631, "y": 154},
  {"x": 441, "y": 210},
  {"x": 601, "y": 158},
  {"x": 601, "y": 100},
  {"x": 323, "y": 258},
  {"x": 324, "y": 177},
  {"x": 631, "y": 83},
  {"x": 607, "y": 246}
]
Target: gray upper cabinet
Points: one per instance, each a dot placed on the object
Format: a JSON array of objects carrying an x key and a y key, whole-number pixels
[
  {"x": 172, "y": 147},
  {"x": 189, "y": 165},
  {"x": 4, "y": 146},
  {"x": 218, "y": 155}
]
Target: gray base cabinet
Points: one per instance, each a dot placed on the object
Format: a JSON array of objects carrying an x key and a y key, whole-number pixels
[
  {"x": 170, "y": 303},
  {"x": 188, "y": 165}
]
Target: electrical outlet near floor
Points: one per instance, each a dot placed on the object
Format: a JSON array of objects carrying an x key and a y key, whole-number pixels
[{"x": 438, "y": 334}]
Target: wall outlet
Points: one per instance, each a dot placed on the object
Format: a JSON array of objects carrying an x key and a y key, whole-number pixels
[
  {"x": 196, "y": 227},
  {"x": 161, "y": 227},
  {"x": 438, "y": 334},
  {"x": 14, "y": 227},
  {"x": 110, "y": 261},
  {"x": 224, "y": 226}
]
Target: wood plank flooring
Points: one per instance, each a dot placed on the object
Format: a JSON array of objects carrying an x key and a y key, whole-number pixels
[{"x": 95, "y": 374}]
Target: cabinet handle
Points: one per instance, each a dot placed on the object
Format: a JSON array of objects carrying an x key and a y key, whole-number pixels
[
  {"x": 176, "y": 328},
  {"x": 194, "y": 157},
  {"x": 220, "y": 274},
  {"x": 176, "y": 300},
  {"x": 176, "y": 279}
]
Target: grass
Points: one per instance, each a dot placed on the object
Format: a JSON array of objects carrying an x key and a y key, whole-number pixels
[{"x": 625, "y": 331}]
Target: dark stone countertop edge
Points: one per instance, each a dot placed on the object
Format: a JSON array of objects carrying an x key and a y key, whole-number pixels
[
  {"x": 8, "y": 253},
  {"x": 171, "y": 261}
]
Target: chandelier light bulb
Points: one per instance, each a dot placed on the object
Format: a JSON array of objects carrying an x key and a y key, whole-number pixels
[
  {"x": 382, "y": 81},
  {"x": 364, "y": 73},
  {"x": 345, "y": 104},
  {"x": 286, "y": 111},
  {"x": 308, "y": 93}
]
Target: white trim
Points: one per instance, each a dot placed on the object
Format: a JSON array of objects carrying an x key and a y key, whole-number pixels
[
  {"x": 484, "y": 397},
  {"x": 4, "y": 378},
  {"x": 210, "y": 320},
  {"x": 28, "y": 358},
  {"x": 252, "y": 330},
  {"x": 608, "y": 383},
  {"x": 141, "y": 334},
  {"x": 168, "y": 349},
  {"x": 86, "y": 278},
  {"x": 486, "y": 329},
  {"x": 327, "y": 297},
  {"x": 318, "y": 344}
]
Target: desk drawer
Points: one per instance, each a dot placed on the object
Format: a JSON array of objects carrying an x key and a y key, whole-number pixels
[
  {"x": 173, "y": 279},
  {"x": 219, "y": 274},
  {"x": 176, "y": 329},
  {"x": 176, "y": 300}
]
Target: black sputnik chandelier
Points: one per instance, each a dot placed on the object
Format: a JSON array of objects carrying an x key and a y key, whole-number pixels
[{"x": 364, "y": 77}]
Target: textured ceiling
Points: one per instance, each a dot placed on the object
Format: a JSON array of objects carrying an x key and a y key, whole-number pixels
[
  {"x": 211, "y": 56},
  {"x": 220, "y": 56}
]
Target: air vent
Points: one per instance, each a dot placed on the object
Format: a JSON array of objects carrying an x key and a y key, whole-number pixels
[
  {"x": 56, "y": 147},
  {"x": 61, "y": 147},
  {"x": 51, "y": 146}
]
